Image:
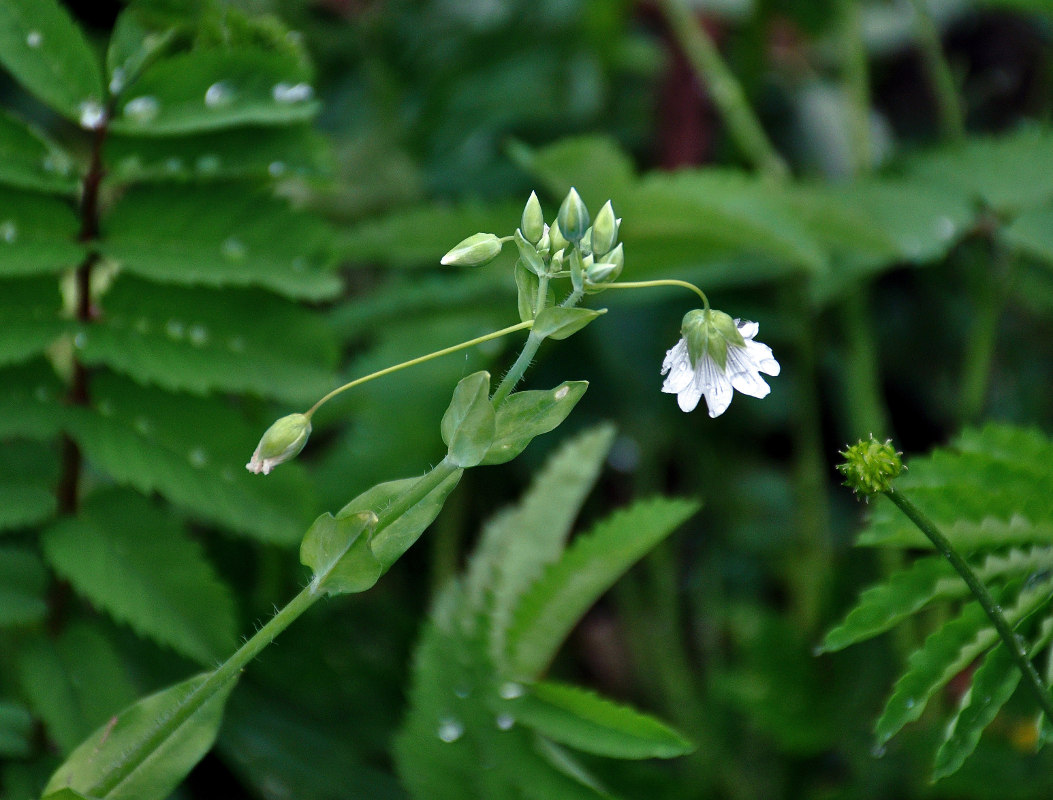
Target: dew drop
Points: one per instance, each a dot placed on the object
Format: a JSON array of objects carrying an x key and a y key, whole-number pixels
[
  {"x": 142, "y": 109},
  {"x": 80, "y": 340},
  {"x": 57, "y": 163},
  {"x": 173, "y": 165},
  {"x": 450, "y": 729},
  {"x": 9, "y": 231},
  {"x": 236, "y": 344},
  {"x": 945, "y": 228},
  {"x": 462, "y": 692},
  {"x": 198, "y": 335},
  {"x": 878, "y": 751},
  {"x": 143, "y": 425},
  {"x": 505, "y": 722},
  {"x": 909, "y": 702},
  {"x": 276, "y": 169},
  {"x": 510, "y": 690},
  {"x": 292, "y": 92},
  {"x": 219, "y": 94},
  {"x": 175, "y": 329},
  {"x": 117, "y": 81},
  {"x": 233, "y": 249},
  {"x": 198, "y": 457},
  {"x": 92, "y": 114},
  {"x": 34, "y": 39},
  {"x": 298, "y": 264},
  {"x": 561, "y": 393},
  {"x": 208, "y": 164}
]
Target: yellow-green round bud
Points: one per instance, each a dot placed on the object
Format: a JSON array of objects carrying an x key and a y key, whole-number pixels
[
  {"x": 283, "y": 441},
  {"x": 474, "y": 251},
  {"x": 604, "y": 230},
  {"x": 573, "y": 216},
  {"x": 871, "y": 466},
  {"x": 533, "y": 222},
  {"x": 557, "y": 241}
]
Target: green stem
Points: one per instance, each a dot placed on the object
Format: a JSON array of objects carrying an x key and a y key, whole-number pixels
[
  {"x": 724, "y": 89},
  {"x": 657, "y": 283},
  {"x": 515, "y": 373},
  {"x": 952, "y": 118},
  {"x": 419, "y": 360},
  {"x": 976, "y": 586}
]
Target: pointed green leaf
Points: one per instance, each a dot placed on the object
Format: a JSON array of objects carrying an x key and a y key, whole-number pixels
[
  {"x": 555, "y": 322},
  {"x": 42, "y": 47},
  {"x": 469, "y": 423},
  {"x": 525, "y": 415},
  {"x": 145, "y": 751},
  {"x": 221, "y": 236},
  {"x": 553, "y": 605},
  {"x": 29, "y": 160},
  {"x": 38, "y": 235},
  {"x": 23, "y": 581},
  {"x": 31, "y": 403},
  {"x": 204, "y": 340},
  {"x": 336, "y": 549},
  {"x": 16, "y": 730},
  {"x": 212, "y": 89},
  {"x": 581, "y": 719},
  {"x": 74, "y": 682},
  {"x": 167, "y": 590},
  {"x": 28, "y": 476},
  {"x": 31, "y": 309},
  {"x": 390, "y": 543}
]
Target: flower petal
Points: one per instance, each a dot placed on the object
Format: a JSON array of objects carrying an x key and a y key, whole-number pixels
[
  {"x": 761, "y": 355},
  {"x": 678, "y": 365},
  {"x": 714, "y": 385},
  {"x": 750, "y": 383},
  {"x": 747, "y": 329}
]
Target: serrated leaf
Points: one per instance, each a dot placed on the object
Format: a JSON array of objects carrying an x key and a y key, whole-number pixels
[
  {"x": 469, "y": 422},
  {"x": 392, "y": 541},
  {"x": 556, "y": 322},
  {"x": 144, "y": 752},
  {"x": 23, "y": 581},
  {"x": 221, "y": 236},
  {"x": 581, "y": 719},
  {"x": 74, "y": 682},
  {"x": 42, "y": 47},
  {"x": 28, "y": 476},
  {"x": 30, "y": 401},
  {"x": 209, "y": 89},
  {"x": 38, "y": 235},
  {"x": 296, "y": 151},
  {"x": 203, "y": 340},
  {"x": 16, "y": 730},
  {"x": 166, "y": 589},
  {"x": 554, "y": 604},
  {"x": 31, "y": 310},
  {"x": 192, "y": 451},
  {"x": 30, "y": 160},
  {"x": 336, "y": 549},
  {"x": 526, "y": 415}
]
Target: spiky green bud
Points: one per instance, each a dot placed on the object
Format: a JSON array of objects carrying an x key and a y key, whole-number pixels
[{"x": 871, "y": 466}]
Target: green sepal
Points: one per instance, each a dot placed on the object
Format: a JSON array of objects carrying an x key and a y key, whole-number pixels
[
  {"x": 527, "y": 284},
  {"x": 469, "y": 424},
  {"x": 337, "y": 551},
  {"x": 577, "y": 271},
  {"x": 525, "y": 415},
  {"x": 529, "y": 254},
  {"x": 559, "y": 323}
]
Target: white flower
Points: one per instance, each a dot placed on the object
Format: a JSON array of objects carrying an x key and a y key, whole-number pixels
[{"x": 696, "y": 370}]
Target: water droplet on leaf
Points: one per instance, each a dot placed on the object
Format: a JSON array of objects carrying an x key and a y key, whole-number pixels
[
  {"x": 198, "y": 335},
  {"x": 92, "y": 115},
  {"x": 219, "y": 94},
  {"x": 208, "y": 164},
  {"x": 510, "y": 690},
  {"x": 175, "y": 329},
  {"x": 292, "y": 92},
  {"x": 173, "y": 164},
  {"x": 142, "y": 109},
  {"x": 233, "y": 249},
  {"x": 505, "y": 722},
  {"x": 9, "y": 231},
  {"x": 450, "y": 729},
  {"x": 117, "y": 81},
  {"x": 34, "y": 39},
  {"x": 462, "y": 692},
  {"x": 198, "y": 457},
  {"x": 276, "y": 169},
  {"x": 80, "y": 340}
]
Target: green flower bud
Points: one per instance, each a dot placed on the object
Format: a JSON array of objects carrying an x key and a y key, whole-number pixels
[
  {"x": 616, "y": 256},
  {"x": 604, "y": 230},
  {"x": 282, "y": 442},
  {"x": 871, "y": 466},
  {"x": 599, "y": 274},
  {"x": 474, "y": 251},
  {"x": 533, "y": 222},
  {"x": 708, "y": 331},
  {"x": 573, "y": 216},
  {"x": 556, "y": 239}
]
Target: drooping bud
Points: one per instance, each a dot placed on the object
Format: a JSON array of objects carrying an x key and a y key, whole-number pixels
[
  {"x": 533, "y": 222},
  {"x": 604, "y": 230},
  {"x": 283, "y": 441},
  {"x": 573, "y": 216},
  {"x": 871, "y": 466},
  {"x": 474, "y": 251}
]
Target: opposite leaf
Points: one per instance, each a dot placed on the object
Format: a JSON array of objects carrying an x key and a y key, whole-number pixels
[
  {"x": 559, "y": 323},
  {"x": 468, "y": 425},
  {"x": 337, "y": 551},
  {"x": 525, "y": 415}
]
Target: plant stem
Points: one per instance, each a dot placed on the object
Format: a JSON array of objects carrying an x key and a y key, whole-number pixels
[
  {"x": 989, "y": 294},
  {"x": 515, "y": 373},
  {"x": 952, "y": 118},
  {"x": 856, "y": 81},
  {"x": 976, "y": 586},
  {"x": 657, "y": 283},
  {"x": 724, "y": 89}
]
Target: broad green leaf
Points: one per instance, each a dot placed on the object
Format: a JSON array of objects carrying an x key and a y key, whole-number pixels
[
  {"x": 525, "y": 415},
  {"x": 192, "y": 451},
  {"x": 945, "y": 653},
  {"x": 45, "y": 51},
  {"x": 581, "y": 719},
  {"x": 210, "y": 89},
  {"x": 144, "y": 752},
  {"x": 29, "y": 160},
  {"x": 221, "y": 236},
  {"x": 31, "y": 309},
  {"x": 29, "y": 473},
  {"x": 74, "y": 682},
  {"x": 38, "y": 235},
  {"x": 566, "y": 590},
  {"x": 31, "y": 404},
  {"x": 1032, "y": 233},
  {"x": 23, "y": 582},
  {"x": 391, "y": 542},
  {"x": 167, "y": 589},
  {"x": 269, "y": 153},
  {"x": 16, "y": 730},
  {"x": 336, "y": 549},
  {"x": 555, "y": 322},
  {"x": 469, "y": 422},
  {"x": 204, "y": 340}
]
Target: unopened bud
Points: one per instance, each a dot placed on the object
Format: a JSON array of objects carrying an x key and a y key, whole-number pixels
[
  {"x": 282, "y": 441},
  {"x": 474, "y": 251},
  {"x": 596, "y": 275},
  {"x": 604, "y": 230},
  {"x": 709, "y": 331},
  {"x": 533, "y": 222},
  {"x": 556, "y": 240},
  {"x": 573, "y": 216},
  {"x": 871, "y": 466}
]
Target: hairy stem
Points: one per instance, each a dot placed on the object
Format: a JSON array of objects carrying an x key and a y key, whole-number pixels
[{"x": 979, "y": 591}]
